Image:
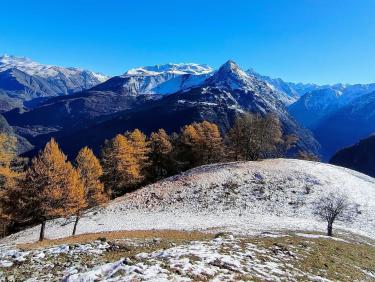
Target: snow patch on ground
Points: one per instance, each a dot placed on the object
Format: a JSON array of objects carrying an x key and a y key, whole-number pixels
[
  {"x": 221, "y": 259},
  {"x": 227, "y": 257},
  {"x": 242, "y": 197}
]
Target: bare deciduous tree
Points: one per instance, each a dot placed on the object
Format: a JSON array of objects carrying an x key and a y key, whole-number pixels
[
  {"x": 334, "y": 206},
  {"x": 255, "y": 137}
]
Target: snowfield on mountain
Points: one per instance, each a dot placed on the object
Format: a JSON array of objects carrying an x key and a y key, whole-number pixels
[
  {"x": 182, "y": 68},
  {"x": 246, "y": 198},
  {"x": 25, "y": 83},
  {"x": 159, "y": 79},
  {"x": 46, "y": 71}
]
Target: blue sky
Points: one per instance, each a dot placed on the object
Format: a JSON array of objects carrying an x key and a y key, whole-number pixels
[{"x": 323, "y": 41}]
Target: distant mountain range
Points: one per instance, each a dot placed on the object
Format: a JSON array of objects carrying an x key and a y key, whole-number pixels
[
  {"x": 293, "y": 91},
  {"x": 131, "y": 101},
  {"x": 226, "y": 93},
  {"x": 338, "y": 115},
  {"x": 37, "y": 101},
  {"x": 24, "y": 83}
]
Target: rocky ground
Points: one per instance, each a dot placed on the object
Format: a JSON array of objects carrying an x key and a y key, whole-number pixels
[
  {"x": 184, "y": 256},
  {"x": 223, "y": 222}
]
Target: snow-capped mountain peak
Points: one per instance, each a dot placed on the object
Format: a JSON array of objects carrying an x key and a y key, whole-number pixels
[
  {"x": 45, "y": 71},
  {"x": 159, "y": 79},
  {"x": 12, "y": 60},
  {"x": 232, "y": 67},
  {"x": 22, "y": 80},
  {"x": 179, "y": 69},
  {"x": 230, "y": 76},
  {"x": 22, "y": 63}
]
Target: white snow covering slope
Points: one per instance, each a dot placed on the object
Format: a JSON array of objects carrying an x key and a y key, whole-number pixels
[
  {"x": 46, "y": 71},
  {"x": 183, "y": 68},
  {"x": 241, "y": 197},
  {"x": 165, "y": 79},
  {"x": 319, "y": 103},
  {"x": 231, "y": 77},
  {"x": 163, "y": 83}
]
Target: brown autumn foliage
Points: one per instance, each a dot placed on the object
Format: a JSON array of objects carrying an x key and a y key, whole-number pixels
[
  {"x": 159, "y": 155},
  {"x": 202, "y": 143},
  {"x": 52, "y": 187},
  {"x": 8, "y": 179},
  {"x": 90, "y": 172},
  {"x": 122, "y": 171},
  {"x": 140, "y": 144},
  {"x": 7, "y": 155}
]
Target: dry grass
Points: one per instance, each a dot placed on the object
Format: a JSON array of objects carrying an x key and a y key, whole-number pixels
[
  {"x": 339, "y": 260},
  {"x": 138, "y": 234},
  {"x": 336, "y": 260},
  {"x": 332, "y": 259}
]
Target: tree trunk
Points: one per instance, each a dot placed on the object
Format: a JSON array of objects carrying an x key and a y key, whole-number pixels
[
  {"x": 3, "y": 230},
  {"x": 75, "y": 224},
  {"x": 329, "y": 229},
  {"x": 42, "y": 228}
]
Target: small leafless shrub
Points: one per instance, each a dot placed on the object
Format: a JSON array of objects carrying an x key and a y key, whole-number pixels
[{"x": 335, "y": 206}]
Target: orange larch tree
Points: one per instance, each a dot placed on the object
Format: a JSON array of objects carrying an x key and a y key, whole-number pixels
[
  {"x": 90, "y": 171},
  {"x": 121, "y": 169},
  {"x": 52, "y": 186},
  {"x": 8, "y": 180},
  {"x": 203, "y": 143},
  {"x": 140, "y": 145}
]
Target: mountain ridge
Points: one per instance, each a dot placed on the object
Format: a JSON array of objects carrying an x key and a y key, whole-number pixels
[
  {"x": 219, "y": 98},
  {"x": 228, "y": 90},
  {"x": 338, "y": 116},
  {"x": 24, "y": 82},
  {"x": 217, "y": 103},
  {"x": 34, "y": 68},
  {"x": 176, "y": 68}
]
